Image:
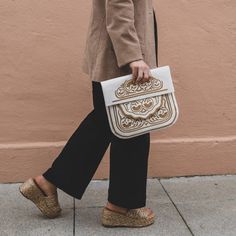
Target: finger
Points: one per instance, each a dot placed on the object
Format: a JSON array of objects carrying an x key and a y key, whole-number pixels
[
  {"x": 146, "y": 75},
  {"x": 140, "y": 75},
  {"x": 134, "y": 73}
]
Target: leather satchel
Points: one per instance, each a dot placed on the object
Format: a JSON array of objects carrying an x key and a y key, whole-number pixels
[{"x": 136, "y": 109}]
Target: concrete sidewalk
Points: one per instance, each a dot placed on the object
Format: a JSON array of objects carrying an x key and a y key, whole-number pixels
[{"x": 201, "y": 206}]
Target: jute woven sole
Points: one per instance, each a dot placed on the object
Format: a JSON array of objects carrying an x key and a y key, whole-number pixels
[
  {"x": 133, "y": 218},
  {"x": 48, "y": 205}
]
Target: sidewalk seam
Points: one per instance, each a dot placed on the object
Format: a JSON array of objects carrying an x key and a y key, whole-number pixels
[
  {"x": 73, "y": 216},
  {"x": 185, "y": 222}
]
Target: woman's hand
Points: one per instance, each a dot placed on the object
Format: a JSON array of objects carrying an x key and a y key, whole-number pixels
[{"x": 140, "y": 71}]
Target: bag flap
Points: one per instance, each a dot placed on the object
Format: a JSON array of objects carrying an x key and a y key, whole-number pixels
[{"x": 122, "y": 89}]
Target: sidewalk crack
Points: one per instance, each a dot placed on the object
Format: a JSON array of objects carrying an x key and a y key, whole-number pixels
[
  {"x": 185, "y": 222},
  {"x": 73, "y": 216}
]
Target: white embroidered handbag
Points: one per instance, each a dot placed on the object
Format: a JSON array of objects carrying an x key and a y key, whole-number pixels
[{"x": 135, "y": 109}]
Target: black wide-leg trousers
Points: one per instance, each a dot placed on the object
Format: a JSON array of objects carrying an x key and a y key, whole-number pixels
[{"x": 76, "y": 164}]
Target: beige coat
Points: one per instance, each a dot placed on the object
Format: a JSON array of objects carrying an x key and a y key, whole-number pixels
[{"x": 120, "y": 31}]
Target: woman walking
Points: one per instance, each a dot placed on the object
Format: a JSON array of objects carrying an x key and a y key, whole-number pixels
[{"x": 121, "y": 39}]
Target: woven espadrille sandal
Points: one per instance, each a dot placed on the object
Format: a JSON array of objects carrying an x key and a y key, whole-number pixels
[
  {"x": 48, "y": 205},
  {"x": 132, "y": 218}
]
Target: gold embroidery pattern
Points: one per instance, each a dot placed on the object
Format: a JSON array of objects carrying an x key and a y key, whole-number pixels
[
  {"x": 130, "y": 89},
  {"x": 142, "y": 108},
  {"x": 142, "y": 113}
]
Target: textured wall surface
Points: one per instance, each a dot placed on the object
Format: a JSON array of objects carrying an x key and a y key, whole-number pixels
[{"x": 44, "y": 94}]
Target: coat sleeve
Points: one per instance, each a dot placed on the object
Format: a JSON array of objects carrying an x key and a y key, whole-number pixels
[{"x": 121, "y": 29}]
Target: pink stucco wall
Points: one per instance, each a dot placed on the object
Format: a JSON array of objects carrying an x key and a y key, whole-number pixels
[{"x": 44, "y": 94}]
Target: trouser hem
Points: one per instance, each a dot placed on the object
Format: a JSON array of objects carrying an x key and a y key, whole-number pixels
[
  {"x": 130, "y": 203},
  {"x": 48, "y": 175}
]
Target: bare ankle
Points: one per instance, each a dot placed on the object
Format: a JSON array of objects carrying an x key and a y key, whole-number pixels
[
  {"x": 116, "y": 207},
  {"x": 45, "y": 185}
]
